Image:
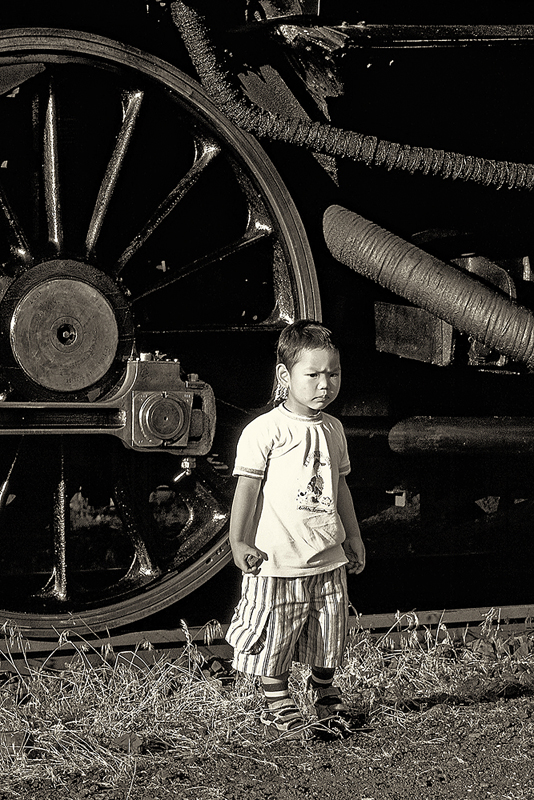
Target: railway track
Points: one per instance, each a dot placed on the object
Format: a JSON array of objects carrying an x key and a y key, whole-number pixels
[{"x": 141, "y": 648}]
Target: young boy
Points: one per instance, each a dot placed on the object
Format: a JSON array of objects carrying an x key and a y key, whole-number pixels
[{"x": 292, "y": 531}]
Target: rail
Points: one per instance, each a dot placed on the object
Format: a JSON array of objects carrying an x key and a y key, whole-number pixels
[{"x": 141, "y": 648}]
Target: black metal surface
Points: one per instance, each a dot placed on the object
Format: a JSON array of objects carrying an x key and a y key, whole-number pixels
[{"x": 442, "y": 159}]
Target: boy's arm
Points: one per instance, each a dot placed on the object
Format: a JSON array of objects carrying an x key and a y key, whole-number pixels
[
  {"x": 353, "y": 544},
  {"x": 247, "y": 557}
]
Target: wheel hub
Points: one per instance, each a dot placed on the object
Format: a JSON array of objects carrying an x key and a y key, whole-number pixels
[
  {"x": 64, "y": 334},
  {"x": 67, "y": 331}
]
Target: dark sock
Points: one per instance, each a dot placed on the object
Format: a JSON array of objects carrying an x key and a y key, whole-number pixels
[
  {"x": 321, "y": 677},
  {"x": 277, "y": 693}
]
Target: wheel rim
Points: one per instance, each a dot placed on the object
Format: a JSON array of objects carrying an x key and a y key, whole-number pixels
[{"x": 133, "y": 218}]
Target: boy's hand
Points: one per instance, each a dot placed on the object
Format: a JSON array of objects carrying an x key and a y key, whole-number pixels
[
  {"x": 248, "y": 558},
  {"x": 355, "y": 552}
]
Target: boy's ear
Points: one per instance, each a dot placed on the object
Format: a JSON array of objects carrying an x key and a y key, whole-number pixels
[{"x": 282, "y": 374}]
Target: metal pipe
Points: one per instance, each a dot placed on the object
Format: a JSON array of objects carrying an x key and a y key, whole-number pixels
[
  {"x": 469, "y": 435},
  {"x": 443, "y": 435},
  {"x": 459, "y": 299}
]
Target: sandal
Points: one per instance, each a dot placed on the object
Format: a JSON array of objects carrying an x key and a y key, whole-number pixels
[
  {"x": 286, "y": 721},
  {"x": 328, "y": 702},
  {"x": 333, "y": 715}
]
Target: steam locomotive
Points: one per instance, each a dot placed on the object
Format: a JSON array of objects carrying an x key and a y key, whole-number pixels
[{"x": 178, "y": 181}]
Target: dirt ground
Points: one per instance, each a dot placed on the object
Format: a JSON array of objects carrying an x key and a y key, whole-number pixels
[{"x": 469, "y": 752}]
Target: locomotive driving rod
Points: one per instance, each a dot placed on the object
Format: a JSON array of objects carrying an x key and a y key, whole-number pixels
[{"x": 461, "y": 300}]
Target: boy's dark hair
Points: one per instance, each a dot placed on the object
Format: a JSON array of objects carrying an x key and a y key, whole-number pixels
[{"x": 305, "y": 334}]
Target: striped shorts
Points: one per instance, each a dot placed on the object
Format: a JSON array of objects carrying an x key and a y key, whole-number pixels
[{"x": 280, "y": 620}]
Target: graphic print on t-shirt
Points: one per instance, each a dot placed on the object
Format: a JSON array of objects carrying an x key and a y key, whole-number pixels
[{"x": 316, "y": 497}]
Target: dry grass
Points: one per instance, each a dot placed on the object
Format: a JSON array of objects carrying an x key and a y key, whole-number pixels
[{"x": 107, "y": 722}]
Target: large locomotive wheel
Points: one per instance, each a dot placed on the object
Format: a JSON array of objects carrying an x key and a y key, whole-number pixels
[{"x": 134, "y": 219}]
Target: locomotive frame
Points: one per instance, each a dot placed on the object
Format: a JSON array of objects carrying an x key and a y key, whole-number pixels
[{"x": 157, "y": 235}]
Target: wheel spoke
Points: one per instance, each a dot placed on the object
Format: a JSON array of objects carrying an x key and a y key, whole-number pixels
[
  {"x": 18, "y": 243},
  {"x": 61, "y": 524},
  {"x": 51, "y": 173},
  {"x": 144, "y": 566},
  {"x": 4, "y": 489},
  {"x": 57, "y": 584},
  {"x": 258, "y": 228},
  {"x": 205, "y": 152},
  {"x": 132, "y": 100}
]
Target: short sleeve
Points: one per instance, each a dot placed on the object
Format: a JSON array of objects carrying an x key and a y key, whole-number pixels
[
  {"x": 344, "y": 461},
  {"x": 253, "y": 449}
]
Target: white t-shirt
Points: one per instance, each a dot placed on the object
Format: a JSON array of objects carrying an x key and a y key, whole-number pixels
[{"x": 300, "y": 461}]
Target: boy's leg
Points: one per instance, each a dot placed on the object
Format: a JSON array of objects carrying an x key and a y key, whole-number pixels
[
  {"x": 321, "y": 677},
  {"x": 327, "y": 630},
  {"x": 326, "y": 698},
  {"x": 276, "y": 690},
  {"x": 282, "y": 716},
  {"x": 267, "y": 624}
]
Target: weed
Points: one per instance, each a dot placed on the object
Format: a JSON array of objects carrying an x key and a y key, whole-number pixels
[{"x": 108, "y": 713}]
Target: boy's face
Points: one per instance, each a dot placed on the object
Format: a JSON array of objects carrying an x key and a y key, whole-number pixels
[{"x": 313, "y": 382}]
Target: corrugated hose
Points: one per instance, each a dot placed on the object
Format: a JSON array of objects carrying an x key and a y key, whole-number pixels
[{"x": 325, "y": 138}]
